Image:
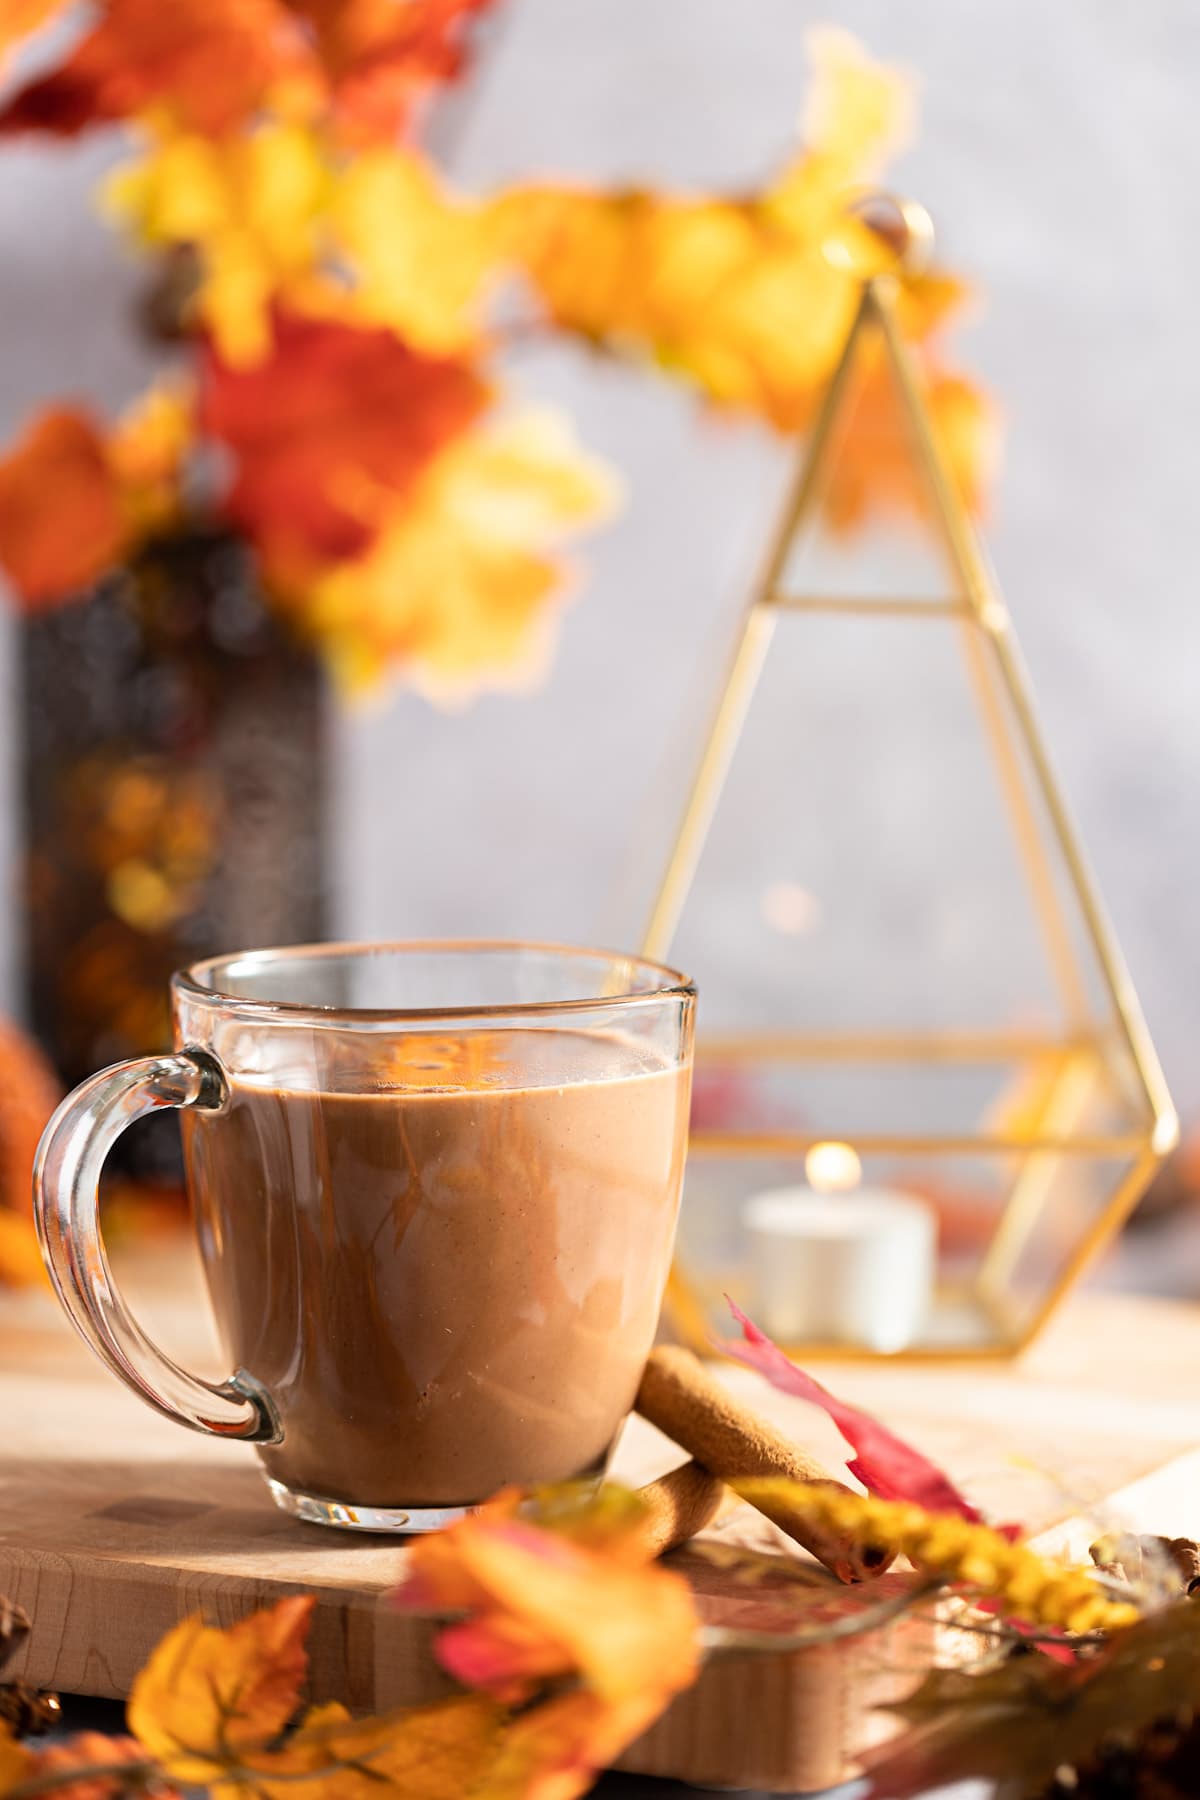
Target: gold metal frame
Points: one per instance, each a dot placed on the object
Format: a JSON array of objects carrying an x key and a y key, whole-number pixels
[{"x": 1111, "y": 1042}]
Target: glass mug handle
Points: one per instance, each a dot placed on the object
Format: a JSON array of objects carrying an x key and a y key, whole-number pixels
[{"x": 66, "y": 1181}]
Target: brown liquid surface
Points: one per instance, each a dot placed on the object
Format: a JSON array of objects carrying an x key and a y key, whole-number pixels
[{"x": 445, "y": 1284}]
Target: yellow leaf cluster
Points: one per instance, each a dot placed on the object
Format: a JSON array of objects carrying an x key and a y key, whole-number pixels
[
  {"x": 1037, "y": 1590},
  {"x": 749, "y": 299},
  {"x": 423, "y": 258},
  {"x": 287, "y": 224},
  {"x": 253, "y": 210},
  {"x": 461, "y": 587}
]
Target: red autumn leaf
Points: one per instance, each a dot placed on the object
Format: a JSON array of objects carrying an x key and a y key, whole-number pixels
[
  {"x": 381, "y": 57},
  {"x": 884, "y": 1463},
  {"x": 331, "y": 426},
  {"x": 61, "y": 520},
  {"x": 209, "y": 62}
]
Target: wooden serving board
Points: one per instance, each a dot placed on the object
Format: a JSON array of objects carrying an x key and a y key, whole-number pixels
[{"x": 116, "y": 1524}]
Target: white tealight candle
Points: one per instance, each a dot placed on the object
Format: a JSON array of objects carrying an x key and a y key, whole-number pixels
[{"x": 841, "y": 1267}]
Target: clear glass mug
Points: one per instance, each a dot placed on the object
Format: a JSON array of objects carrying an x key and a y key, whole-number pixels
[{"x": 434, "y": 1188}]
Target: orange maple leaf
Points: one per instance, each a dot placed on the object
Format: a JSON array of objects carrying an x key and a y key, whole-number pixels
[
  {"x": 206, "y": 1696},
  {"x": 382, "y": 56},
  {"x": 208, "y": 63},
  {"x": 21, "y": 18},
  {"x": 61, "y": 519},
  {"x": 878, "y": 473},
  {"x": 212, "y": 65},
  {"x": 326, "y": 432},
  {"x": 546, "y": 1604}
]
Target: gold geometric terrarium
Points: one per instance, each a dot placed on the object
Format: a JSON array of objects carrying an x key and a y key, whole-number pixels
[{"x": 859, "y": 1102}]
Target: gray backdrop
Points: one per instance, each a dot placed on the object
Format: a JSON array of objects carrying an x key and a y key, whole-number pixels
[{"x": 1058, "y": 156}]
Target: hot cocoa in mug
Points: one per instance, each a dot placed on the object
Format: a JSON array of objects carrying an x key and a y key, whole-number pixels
[{"x": 434, "y": 1189}]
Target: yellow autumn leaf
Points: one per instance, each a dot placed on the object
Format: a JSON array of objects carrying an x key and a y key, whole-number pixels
[
  {"x": 206, "y": 1696},
  {"x": 146, "y": 451},
  {"x": 254, "y": 210},
  {"x": 750, "y": 298},
  {"x": 459, "y": 589},
  {"x": 436, "y": 1752},
  {"x": 421, "y": 257},
  {"x": 858, "y": 115}
]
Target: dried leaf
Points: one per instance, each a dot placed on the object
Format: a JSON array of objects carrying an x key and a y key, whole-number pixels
[
  {"x": 61, "y": 520},
  {"x": 554, "y": 1751},
  {"x": 1017, "y": 1724},
  {"x": 435, "y": 1752},
  {"x": 206, "y": 1695},
  {"x": 953, "y": 1548},
  {"x": 883, "y": 1462}
]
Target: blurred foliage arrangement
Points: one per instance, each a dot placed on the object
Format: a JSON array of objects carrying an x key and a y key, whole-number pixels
[{"x": 340, "y": 314}]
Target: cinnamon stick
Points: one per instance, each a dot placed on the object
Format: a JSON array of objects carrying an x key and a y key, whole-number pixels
[
  {"x": 698, "y": 1413},
  {"x": 679, "y": 1505}
]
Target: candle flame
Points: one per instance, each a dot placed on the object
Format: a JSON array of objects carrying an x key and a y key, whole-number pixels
[{"x": 832, "y": 1168}]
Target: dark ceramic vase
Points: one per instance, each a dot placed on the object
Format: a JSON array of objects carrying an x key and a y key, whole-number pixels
[{"x": 174, "y": 750}]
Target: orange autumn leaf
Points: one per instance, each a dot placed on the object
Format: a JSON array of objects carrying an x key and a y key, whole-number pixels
[
  {"x": 326, "y": 432},
  {"x": 207, "y": 1695},
  {"x": 382, "y": 56},
  {"x": 461, "y": 589},
  {"x": 21, "y": 18},
  {"x": 555, "y": 1751},
  {"x": 207, "y": 63},
  {"x": 544, "y": 1605},
  {"x": 61, "y": 519},
  {"x": 29, "y": 1092},
  {"x": 580, "y": 1602},
  {"x": 878, "y": 472},
  {"x": 16, "y": 1759},
  {"x": 21, "y": 1262},
  {"x": 146, "y": 450}
]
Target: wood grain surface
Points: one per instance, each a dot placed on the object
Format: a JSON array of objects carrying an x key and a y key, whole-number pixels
[{"x": 115, "y": 1524}]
